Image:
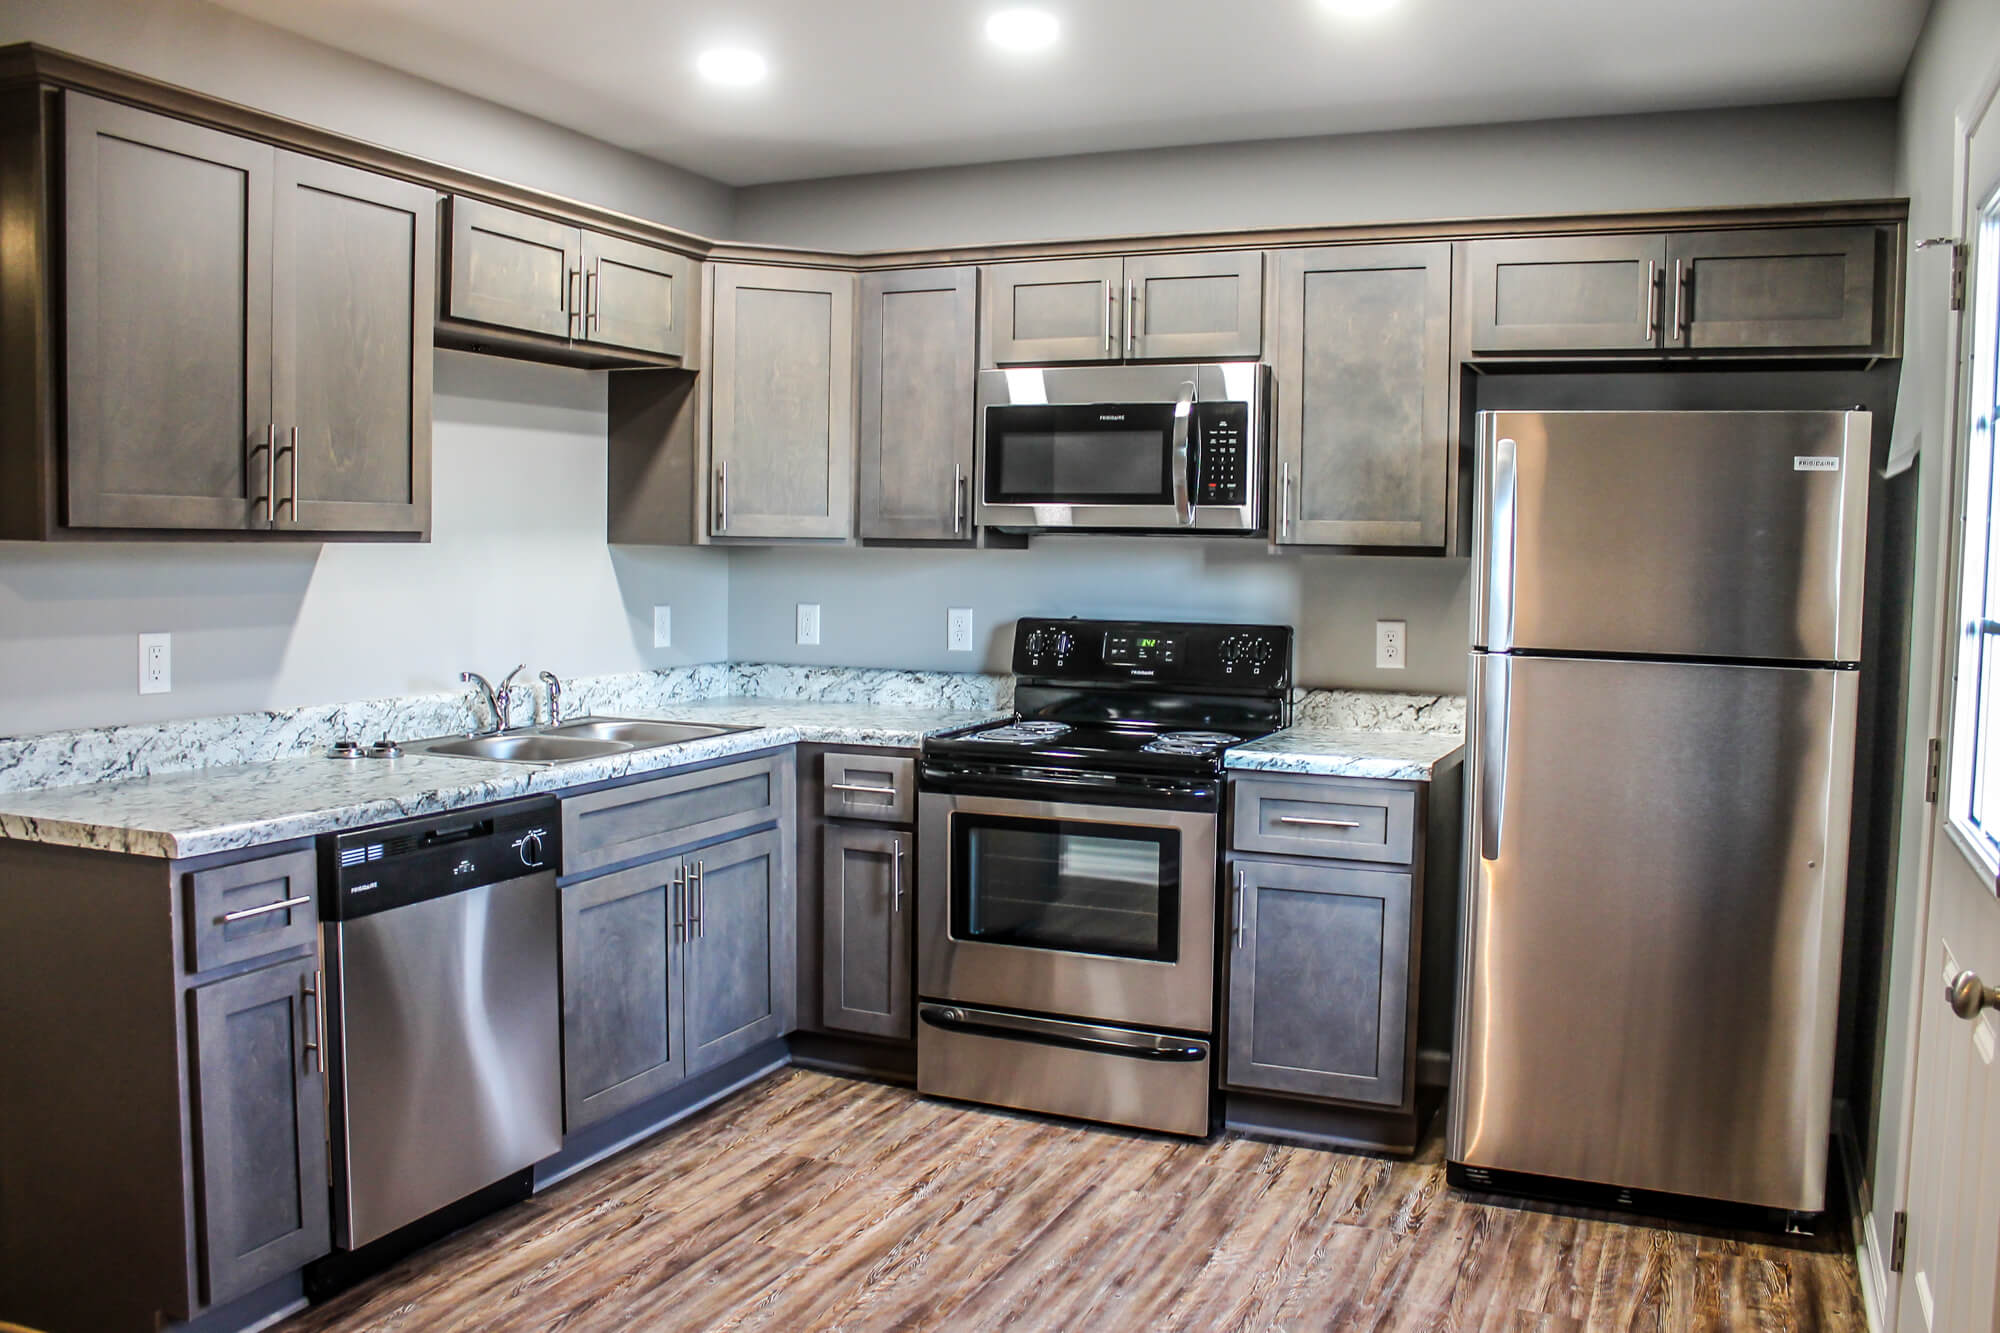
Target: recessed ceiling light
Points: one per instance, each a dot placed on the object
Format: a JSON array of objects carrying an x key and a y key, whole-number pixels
[
  {"x": 732, "y": 66},
  {"x": 1022, "y": 29},
  {"x": 1358, "y": 9}
]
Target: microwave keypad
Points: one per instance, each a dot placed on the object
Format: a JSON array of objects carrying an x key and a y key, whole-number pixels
[{"x": 1220, "y": 479}]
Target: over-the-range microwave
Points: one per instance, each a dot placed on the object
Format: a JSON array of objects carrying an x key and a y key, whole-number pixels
[{"x": 1169, "y": 448}]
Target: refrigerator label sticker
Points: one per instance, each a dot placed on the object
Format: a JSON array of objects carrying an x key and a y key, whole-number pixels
[{"x": 1816, "y": 463}]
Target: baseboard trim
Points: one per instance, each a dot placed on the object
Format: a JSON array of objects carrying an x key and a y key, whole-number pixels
[{"x": 1869, "y": 1262}]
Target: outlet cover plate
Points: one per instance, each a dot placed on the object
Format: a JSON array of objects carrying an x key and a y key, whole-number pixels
[
  {"x": 1391, "y": 644},
  {"x": 156, "y": 663},
  {"x": 663, "y": 627},
  {"x": 958, "y": 629},
  {"x": 808, "y": 622}
]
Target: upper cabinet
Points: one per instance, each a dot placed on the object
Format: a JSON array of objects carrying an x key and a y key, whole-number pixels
[
  {"x": 247, "y": 335},
  {"x": 1362, "y": 353},
  {"x": 1204, "y": 306},
  {"x": 919, "y": 359},
  {"x": 780, "y": 398},
  {"x": 589, "y": 297},
  {"x": 1793, "y": 290}
]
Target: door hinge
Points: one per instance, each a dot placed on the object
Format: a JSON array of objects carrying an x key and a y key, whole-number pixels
[
  {"x": 1960, "y": 254},
  {"x": 1899, "y": 1242},
  {"x": 1932, "y": 768}
]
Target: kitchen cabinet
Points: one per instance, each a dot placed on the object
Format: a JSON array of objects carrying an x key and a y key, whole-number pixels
[
  {"x": 867, "y": 901},
  {"x": 640, "y": 820},
  {"x": 919, "y": 357},
  {"x": 1199, "y": 306},
  {"x": 740, "y": 948},
  {"x": 780, "y": 388},
  {"x": 1363, "y": 371},
  {"x": 1779, "y": 290},
  {"x": 623, "y": 1018},
  {"x": 578, "y": 288},
  {"x": 259, "y": 1103},
  {"x": 248, "y": 343},
  {"x": 1320, "y": 992}
]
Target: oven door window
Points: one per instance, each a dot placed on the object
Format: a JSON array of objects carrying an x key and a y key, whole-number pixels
[
  {"x": 1066, "y": 885},
  {"x": 1107, "y": 454}
]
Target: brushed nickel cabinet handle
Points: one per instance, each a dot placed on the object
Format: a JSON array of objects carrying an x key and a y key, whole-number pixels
[
  {"x": 1237, "y": 931},
  {"x": 245, "y": 913},
  {"x": 699, "y": 886},
  {"x": 896, "y": 844},
  {"x": 1652, "y": 301},
  {"x": 1683, "y": 298},
  {"x": 269, "y": 499},
  {"x": 1319, "y": 823},
  {"x": 855, "y": 786},
  {"x": 722, "y": 498},
  {"x": 293, "y": 451},
  {"x": 573, "y": 302},
  {"x": 1285, "y": 502},
  {"x": 957, "y": 499},
  {"x": 1110, "y": 304},
  {"x": 1131, "y": 323},
  {"x": 590, "y": 319},
  {"x": 677, "y": 906},
  {"x": 309, "y": 989}
]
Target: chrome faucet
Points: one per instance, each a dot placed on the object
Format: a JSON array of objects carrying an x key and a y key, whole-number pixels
[
  {"x": 504, "y": 697},
  {"x": 479, "y": 682},
  {"x": 554, "y": 687}
]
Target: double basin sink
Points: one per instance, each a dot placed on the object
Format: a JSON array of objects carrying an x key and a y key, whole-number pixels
[{"x": 570, "y": 742}]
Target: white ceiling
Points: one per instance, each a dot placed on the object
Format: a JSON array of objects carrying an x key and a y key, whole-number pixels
[{"x": 873, "y": 85}]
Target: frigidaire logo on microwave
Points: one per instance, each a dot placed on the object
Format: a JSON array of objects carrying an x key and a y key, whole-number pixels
[{"x": 1109, "y": 416}]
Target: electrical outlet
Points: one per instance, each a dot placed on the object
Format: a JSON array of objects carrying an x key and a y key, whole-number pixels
[
  {"x": 156, "y": 663},
  {"x": 663, "y": 627},
  {"x": 1389, "y": 644},
  {"x": 808, "y": 622},
  {"x": 958, "y": 629}
]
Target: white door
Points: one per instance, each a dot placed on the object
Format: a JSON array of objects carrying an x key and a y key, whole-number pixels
[{"x": 1951, "y": 1275}]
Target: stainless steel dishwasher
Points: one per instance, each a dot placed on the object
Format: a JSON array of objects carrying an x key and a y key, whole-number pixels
[{"x": 442, "y": 955}]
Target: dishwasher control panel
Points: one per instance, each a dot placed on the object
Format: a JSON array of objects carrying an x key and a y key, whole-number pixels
[{"x": 371, "y": 870}]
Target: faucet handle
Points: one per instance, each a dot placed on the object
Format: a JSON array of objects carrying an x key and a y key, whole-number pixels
[{"x": 554, "y": 687}]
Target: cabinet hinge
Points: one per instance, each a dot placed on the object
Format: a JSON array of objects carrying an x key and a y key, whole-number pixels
[
  {"x": 1932, "y": 767},
  {"x": 1960, "y": 254},
  {"x": 1899, "y": 1242}
]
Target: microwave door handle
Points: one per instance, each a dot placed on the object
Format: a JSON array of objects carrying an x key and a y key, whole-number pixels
[{"x": 1183, "y": 487}]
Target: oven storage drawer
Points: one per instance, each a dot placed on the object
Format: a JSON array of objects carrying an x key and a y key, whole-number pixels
[
  {"x": 251, "y": 909},
  {"x": 1329, "y": 818},
  {"x": 859, "y": 785},
  {"x": 618, "y": 825}
]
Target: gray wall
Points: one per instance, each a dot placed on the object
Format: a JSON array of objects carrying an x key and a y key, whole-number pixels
[
  {"x": 1767, "y": 155},
  {"x": 213, "y": 50},
  {"x": 517, "y": 571},
  {"x": 1958, "y": 52}
]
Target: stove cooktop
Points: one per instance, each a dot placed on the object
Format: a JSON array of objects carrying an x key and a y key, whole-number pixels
[{"x": 1127, "y": 746}]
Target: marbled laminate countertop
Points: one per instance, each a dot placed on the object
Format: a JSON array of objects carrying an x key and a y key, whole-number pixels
[{"x": 1403, "y": 756}]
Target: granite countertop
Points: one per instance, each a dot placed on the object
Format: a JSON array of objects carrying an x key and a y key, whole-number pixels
[
  {"x": 1402, "y": 756},
  {"x": 199, "y": 812}
]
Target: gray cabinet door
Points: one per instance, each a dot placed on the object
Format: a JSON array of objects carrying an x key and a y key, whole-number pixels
[
  {"x": 1363, "y": 368},
  {"x": 741, "y": 970},
  {"x": 513, "y": 269},
  {"x": 1566, "y": 293},
  {"x": 167, "y": 267},
  {"x": 781, "y": 408},
  {"x": 867, "y": 900},
  {"x": 919, "y": 360},
  {"x": 623, "y": 1024},
  {"x": 354, "y": 257},
  {"x": 1782, "y": 289},
  {"x": 635, "y": 295},
  {"x": 1196, "y": 307},
  {"x": 1319, "y": 981},
  {"x": 259, "y": 1103},
  {"x": 1055, "y": 310}
]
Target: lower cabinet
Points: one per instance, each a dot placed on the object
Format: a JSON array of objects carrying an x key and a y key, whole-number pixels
[
  {"x": 867, "y": 901},
  {"x": 671, "y": 968},
  {"x": 259, "y": 1096},
  {"x": 1320, "y": 997}
]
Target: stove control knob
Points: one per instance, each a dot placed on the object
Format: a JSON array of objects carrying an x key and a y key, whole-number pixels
[
  {"x": 532, "y": 851},
  {"x": 1065, "y": 645},
  {"x": 1038, "y": 645}
]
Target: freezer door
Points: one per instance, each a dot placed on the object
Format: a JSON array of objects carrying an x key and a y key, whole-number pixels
[
  {"x": 1733, "y": 535},
  {"x": 1655, "y": 873}
]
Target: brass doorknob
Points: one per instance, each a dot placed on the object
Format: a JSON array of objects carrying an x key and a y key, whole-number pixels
[{"x": 1968, "y": 995}]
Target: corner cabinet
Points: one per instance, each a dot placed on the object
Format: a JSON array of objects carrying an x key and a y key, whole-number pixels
[
  {"x": 247, "y": 337},
  {"x": 1199, "y": 306},
  {"x": 919, "y": 363},
  {"x": 780, "y": 395},
  {"x": 1362, "y": 353}
]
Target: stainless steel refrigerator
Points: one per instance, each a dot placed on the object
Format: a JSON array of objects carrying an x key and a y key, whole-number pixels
[{"x": 1666, "y": 633}]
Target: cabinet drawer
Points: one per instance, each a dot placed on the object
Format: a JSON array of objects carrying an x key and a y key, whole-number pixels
[
  {"x": 1358, "y": 822},
  {"x": 621, "y": 824},
  {"x": 870, "y": 786},
  {"x": 251, "y": 909}
]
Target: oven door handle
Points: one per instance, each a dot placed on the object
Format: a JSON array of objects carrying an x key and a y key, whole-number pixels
[
  {"x": 1069, "y": 1036},
  {"x": 1183, "y": 482}
]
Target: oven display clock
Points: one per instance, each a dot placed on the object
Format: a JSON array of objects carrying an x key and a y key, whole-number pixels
[{"x": 1141, "y": 650}]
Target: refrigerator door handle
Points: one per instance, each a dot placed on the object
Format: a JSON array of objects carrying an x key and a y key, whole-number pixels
[
  {"x": 1499, "y": 626},
  {"x": 1495, "y": 681}
]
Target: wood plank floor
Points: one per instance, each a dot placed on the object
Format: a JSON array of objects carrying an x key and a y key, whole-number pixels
[{"x": 816, "y": 1202}]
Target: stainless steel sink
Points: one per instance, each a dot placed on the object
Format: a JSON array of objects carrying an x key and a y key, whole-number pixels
[
  {"x": 571, "y": 742},
  {"x": 637, "y": 733},
  {"x": 524, "y": 748}
]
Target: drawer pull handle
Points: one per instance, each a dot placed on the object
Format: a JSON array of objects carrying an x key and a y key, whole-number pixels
[
  {"x": 245, "y": 913},
  {"x": 1319, "y": 823},
  {"x": 851, "y": 786}
]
